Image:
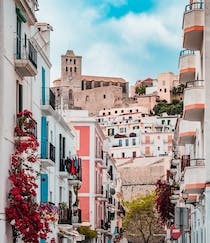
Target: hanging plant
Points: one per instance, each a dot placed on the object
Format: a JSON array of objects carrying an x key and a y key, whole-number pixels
[
  {"x": 163, "y": 204},
  {"x": 23, "y": 213}
]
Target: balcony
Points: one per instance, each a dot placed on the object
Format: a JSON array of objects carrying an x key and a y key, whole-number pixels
[
  {"x": 27, "y": 127},
  {"x": 76, "y": 216},
  {"x": 101, "y": 194},
  {"x": 194, "y": 177},
  {"x": 193, "y": 25},
  {"x": 187, "y": 64},
  {"x": 68, "y": 171},
  {"x": 48, "y": 102},
  {"x": 47, "y": 155},
  {"x": 63, "y": 173},
  {"x": 187, "y": 132},
  {"x": 26, "y": 60},
  {"x": 194, "y": 101},
  {"x": 64, "y": 215}
]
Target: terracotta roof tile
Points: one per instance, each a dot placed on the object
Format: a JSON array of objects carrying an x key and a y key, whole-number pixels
[{"x": 104, "y": 79}]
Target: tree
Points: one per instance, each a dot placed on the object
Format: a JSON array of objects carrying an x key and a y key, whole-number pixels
[
  {"x": 173, "y": 108},
  {"x": 141, "y": 90},
  {"x": 141, "y": 220}
]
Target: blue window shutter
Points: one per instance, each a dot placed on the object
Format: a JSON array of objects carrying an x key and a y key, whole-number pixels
[
  {"x": 43, "y": 87},
  {"x": 44, "y": 137},
  {"x": 44, "y": 188},
  {"x": 42, "y": 241}
]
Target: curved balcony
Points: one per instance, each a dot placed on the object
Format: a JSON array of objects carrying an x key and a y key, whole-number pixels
[
  {"x": 194, "y": 101},
  {"x": 193, "y": 25},
  {"x": 187, "y": 65},
  {"x": 187, "y": 132},
  {"x": 194, "y": 177},
  {"x": 26, "y": 60}
]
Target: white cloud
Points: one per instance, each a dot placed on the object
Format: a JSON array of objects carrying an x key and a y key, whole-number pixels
[{"x": 113, "y": 47}]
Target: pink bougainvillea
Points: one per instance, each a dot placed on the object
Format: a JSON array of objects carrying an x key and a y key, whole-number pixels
[{"x": 28, "y": 219}]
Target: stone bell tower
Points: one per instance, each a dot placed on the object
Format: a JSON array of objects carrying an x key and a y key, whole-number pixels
[{"x": 71, "y": 67}]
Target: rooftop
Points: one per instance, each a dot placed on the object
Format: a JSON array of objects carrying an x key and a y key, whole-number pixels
[{"x": 105, "y": 79}]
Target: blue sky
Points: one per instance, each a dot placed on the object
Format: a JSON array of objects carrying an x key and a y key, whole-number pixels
[{"x": 132, "y": 39}]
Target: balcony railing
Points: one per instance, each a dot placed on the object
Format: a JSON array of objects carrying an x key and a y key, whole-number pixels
[
  {"x": 26, "y": 52},
  {"x": 77, "y": 216},
  {"x": 26, "y": 59},
  {"x": 186, "y": 52},
  {"x": 64, "y": 216},
  {"x": 195, "y": 83},
  {"x": 194, "y": 6},
  {"x": 68, "y": 165}
]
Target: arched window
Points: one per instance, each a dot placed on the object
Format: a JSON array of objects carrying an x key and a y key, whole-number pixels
[
  {"x": 75, "y": 69},
  {"x": 71, "y": 69}
]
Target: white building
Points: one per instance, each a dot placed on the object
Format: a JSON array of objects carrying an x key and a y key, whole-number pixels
[
  {"x": 135, "y": 134},
  {"x": 190, "y": 164},
  {"x": 25, "y": 80}
]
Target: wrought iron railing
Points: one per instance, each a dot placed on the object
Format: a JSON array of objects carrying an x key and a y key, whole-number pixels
[
  {"x": 186, "y": 52},
  {"x": 194, "y": 6}
]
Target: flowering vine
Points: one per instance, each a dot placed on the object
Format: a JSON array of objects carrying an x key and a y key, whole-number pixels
[
  {"x": 163, "y": 205},
  {"x": 23, "y": 213}
]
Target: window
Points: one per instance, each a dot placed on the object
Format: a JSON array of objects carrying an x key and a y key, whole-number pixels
[
  {"x": 60, "y": 147},
  {"x": 112, "y": 131},
  {"x": 25, "y": 40},
  {"x": 134, "y": 141},
  {"x": 18, "y": 43},
  {"x": 122, "y": 111},
  {"x": 75, "y": 69},
  {"x": 169, "y": 122},
  {"x": 66, "y": 60},
  {"x": 163, "y": 122},
  {"x": 70, "y": 60},
  {"x": 134, "y": 154},
  {"x": 130, "y": 111},
  {"x": 66, "y": 69},
  {"x": 115, "y": 112},
  {"x": 121, "y": 129},
  {"x": 120, "y": 143},
  {"x": 123, "y": 155},
  {"x": 158, "y": 148},
  {"x": 64, "y": 147},
  {"x": 104, "y": 96},
  {"x": 104, "y": 114},
  {"x": 74, "y": 61},
  {"x": 60, "y": 194},
  {"x": 127, "y": 142},
  {"x": 109, "y": 113},
  {"x": 19, "y": 97},
  {"x": 165, "y": 90},
  {"x": 71, "y": 69}
]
